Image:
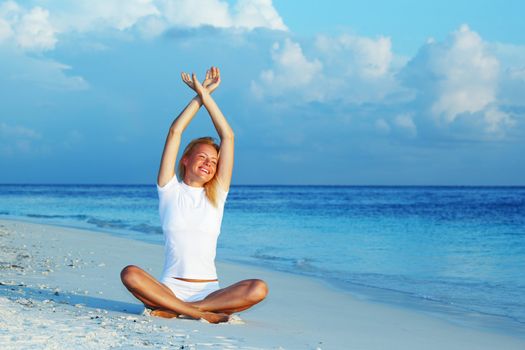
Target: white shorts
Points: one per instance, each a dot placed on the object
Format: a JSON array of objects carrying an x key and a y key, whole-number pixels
[{"x": 190, "y": 291}]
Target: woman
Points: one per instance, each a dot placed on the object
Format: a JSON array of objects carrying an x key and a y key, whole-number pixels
[{"x": 191, "y": 214}]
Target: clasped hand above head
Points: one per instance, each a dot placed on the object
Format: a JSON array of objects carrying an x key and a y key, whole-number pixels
[{"x": 210, "y": 83}]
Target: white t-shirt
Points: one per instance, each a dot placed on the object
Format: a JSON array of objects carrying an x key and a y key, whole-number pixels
[{"x": 191, "y": 226}]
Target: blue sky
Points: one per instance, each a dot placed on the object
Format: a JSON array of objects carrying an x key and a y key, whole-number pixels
[{"x": 334, "y": 92}]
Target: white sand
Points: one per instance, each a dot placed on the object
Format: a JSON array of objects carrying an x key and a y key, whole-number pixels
[{"x": 60, "y": 289}]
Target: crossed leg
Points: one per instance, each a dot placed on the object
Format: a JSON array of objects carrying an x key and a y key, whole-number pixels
[
  {"x": 155, "y": 295},
  {"x": 214, "y": 308},
  {"x": 237, "y": 297}
]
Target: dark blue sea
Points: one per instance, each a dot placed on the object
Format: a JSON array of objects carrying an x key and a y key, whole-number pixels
[{"x": 453, "y": 251}]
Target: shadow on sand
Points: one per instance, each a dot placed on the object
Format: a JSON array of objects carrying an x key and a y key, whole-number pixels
[{"x": 19, "y": 292}]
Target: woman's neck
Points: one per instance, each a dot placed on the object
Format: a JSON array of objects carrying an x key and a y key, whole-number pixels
[{"x": 193, "y": 183}]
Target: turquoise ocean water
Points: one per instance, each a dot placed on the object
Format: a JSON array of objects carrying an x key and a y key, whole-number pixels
[{"x": 453, "y": 251}]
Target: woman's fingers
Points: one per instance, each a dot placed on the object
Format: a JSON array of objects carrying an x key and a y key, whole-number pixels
[
  {"x": 196, "y": 83},
  {"x": 212, "y": 79},
  {"x": 210, "y": 82},
  {"x": 185, "y": 77},
  {"x": 187, "y": 80}
]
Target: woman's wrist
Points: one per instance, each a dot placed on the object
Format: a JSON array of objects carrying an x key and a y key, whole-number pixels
[
  {"x": 197, "y": 99},
  {"x": 204, "y": 97}
]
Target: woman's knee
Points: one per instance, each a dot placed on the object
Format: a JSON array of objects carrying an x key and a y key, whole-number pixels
[
  {"x": 130, "y": 275},
  {"x": 258, "y": 290}
]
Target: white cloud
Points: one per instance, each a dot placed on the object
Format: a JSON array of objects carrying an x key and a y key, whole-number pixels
[
  {"x": 257, "y": 13},
  {"x": 347, "y": 68},
  {"x": 187, "y": 13},
  {"x": 293, "y": 74},
  {"x": 509, "y": 55},
  {"x": 152, "y": 17},
  {"x": 44, "y": 73},
  {"x": 512, "y": 86},
  {"x": 362, "y": 56},
  {"x": 151, "y": 26},
  {"x": 94, "y": 15},
  {"x": 37, "y": 28},
  {"x": 35, "y": 32},
  {"x": 10, "y": 11},
  {"x": 459, "y": 87},
  {"x": 458, "y": 81},
  {"x": 360, "y": 69},
  {"x": 30, "y": 29},
  {"x": 5, "y": 30},
  {"x": 245, "y": 14},
  {"x": 23, "y": 30},
  {"x": 496, "y": 121},
  {"x": 469, "y": 75}
]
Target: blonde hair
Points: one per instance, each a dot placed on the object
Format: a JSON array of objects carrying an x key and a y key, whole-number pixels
[{"x": 211, "y": 187}]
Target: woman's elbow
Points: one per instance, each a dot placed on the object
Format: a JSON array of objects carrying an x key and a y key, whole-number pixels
[
  {"x": 228, "y": 135},
  {"x": 175, "y": 132}
]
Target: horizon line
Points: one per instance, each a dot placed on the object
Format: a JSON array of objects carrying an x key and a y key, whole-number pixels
[{"x": 256, "y": 185}]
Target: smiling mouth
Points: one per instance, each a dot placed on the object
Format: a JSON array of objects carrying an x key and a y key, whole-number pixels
[{"x": 206, "y": 171}]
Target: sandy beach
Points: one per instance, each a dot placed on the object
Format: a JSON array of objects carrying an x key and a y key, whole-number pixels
[{"x": 60, "y": 289}]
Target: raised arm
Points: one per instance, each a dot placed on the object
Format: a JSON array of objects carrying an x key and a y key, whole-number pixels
[
  {"x": 171, "y": 147},
  {"x": 225, "y": 166}
]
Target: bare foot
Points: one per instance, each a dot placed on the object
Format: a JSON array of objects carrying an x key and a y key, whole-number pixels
[
  {"x": 213, "y": 317},
  {"x": 163, "y": 313}
]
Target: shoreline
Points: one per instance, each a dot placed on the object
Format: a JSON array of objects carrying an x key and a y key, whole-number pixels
[
  {"x": 299, "y": 313},
  {"x": 455, "y": 314}
]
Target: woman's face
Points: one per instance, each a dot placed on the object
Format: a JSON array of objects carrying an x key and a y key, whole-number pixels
[{"x": 201, "y": 163}]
